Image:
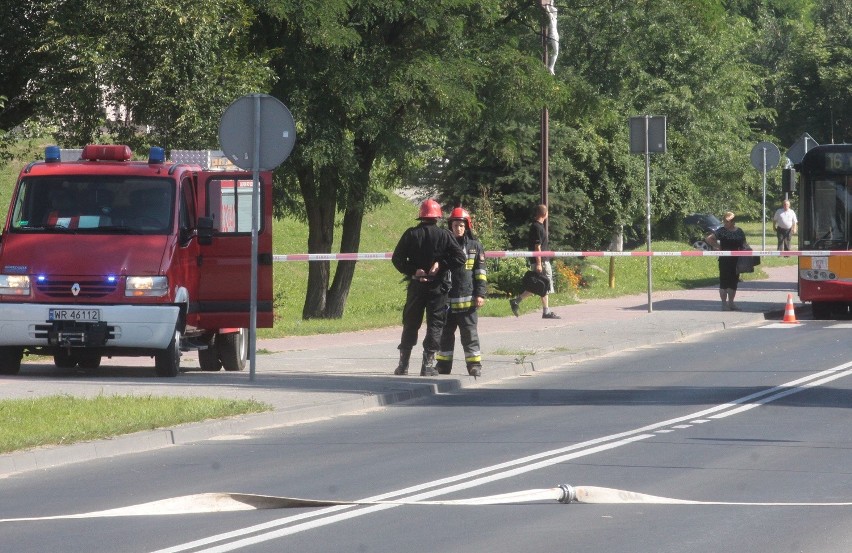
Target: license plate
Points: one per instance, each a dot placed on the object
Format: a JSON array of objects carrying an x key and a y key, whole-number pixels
[{"x": 64, "y": 314}]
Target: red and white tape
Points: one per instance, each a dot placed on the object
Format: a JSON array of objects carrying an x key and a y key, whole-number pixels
[{"x": 501, "y": 254}]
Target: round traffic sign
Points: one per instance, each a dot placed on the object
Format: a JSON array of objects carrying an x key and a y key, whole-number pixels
[
  {"x": 765, "y": 152},
  {"x": 257, "y": 119}
]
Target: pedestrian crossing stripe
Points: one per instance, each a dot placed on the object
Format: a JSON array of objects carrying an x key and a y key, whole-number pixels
[
  {"x": 781, "y": 325},
  {"x": 838, "y": 326}
]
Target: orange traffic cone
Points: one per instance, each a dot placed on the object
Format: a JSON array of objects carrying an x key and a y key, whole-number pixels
[{"x": 789, "y": 312}]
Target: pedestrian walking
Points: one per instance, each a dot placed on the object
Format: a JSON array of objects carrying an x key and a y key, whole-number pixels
[
  {"x": 785, "y": 224},
  {"x": 537, "y": 242},
  {"x": 425, "y": 254},
  {"x": 467, "y": 294}
]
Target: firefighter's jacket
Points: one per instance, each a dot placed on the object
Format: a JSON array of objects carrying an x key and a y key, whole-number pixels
[
  {"x": 470, "y": 281},
  {"x": 424, "y": 244}
]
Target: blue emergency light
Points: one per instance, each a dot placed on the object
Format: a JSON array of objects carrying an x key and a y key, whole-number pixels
[
  {"x": 52, "y": 154},
  {"x": 156, "y": 155}
]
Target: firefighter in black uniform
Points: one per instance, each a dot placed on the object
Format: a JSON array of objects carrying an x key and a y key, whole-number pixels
[
  {"x": 467, "y": 295},
  {"x": 425, "y": 254}
]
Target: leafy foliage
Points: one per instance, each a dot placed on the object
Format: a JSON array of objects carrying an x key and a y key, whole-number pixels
[
  {"x": 158, "y": 72},
  {"x": 447, "y": 95}
]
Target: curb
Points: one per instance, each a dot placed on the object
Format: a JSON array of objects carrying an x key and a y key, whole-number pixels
[{"x": 412, "y": 388}]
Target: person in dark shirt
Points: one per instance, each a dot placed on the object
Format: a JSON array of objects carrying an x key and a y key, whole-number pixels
[
  {"x": 425, "y": 255},
  {"x": 537, "y": 242},
  {"x": 728, "y": 237}
]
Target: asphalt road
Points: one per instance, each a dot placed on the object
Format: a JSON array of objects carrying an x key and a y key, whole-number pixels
[{"x": 755, "y": 414}]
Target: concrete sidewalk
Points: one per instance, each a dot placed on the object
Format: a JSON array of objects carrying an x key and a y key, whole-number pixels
[{"x": 317, "y": 377}]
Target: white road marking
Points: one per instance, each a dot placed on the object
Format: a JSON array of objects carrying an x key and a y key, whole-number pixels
[
  {"x": 615, "y": 440},
  {"x": 425, "y": 491}
]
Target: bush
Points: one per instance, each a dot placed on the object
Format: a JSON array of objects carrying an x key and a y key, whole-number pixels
[
  {"x": 568, "y": 275},
  {"x": 505, "y": 275}
]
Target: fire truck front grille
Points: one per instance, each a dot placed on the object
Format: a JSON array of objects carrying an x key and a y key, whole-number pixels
[{"x": 84, "y": 288}]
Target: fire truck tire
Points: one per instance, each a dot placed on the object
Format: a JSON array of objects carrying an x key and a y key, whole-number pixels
[
  {"x": 233, "y": 350},
  {"x": 10, "y": 359},
  {"x": 208, "y": 359},
  {"x": 65, "y": 360},
  {"x": 89, "y": 361},
  {"x": 167, "y": 361}
]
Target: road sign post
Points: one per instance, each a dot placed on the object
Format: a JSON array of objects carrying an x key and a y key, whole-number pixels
[
  {"x": 648, "y": 135},
  {"x": 765, "y": 156}
]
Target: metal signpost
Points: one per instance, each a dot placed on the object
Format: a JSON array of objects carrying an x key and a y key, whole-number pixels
[
  {"x": 257, "y": 133},
  {"x": 647, "y": 136},
  {"x": 765, "y": 156}
]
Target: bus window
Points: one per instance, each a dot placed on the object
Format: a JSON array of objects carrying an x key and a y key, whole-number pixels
[{"x": 830, "y": 209}]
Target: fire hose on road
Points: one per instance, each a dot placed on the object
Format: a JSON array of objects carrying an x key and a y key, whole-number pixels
[{"x": 565, "y": 494}]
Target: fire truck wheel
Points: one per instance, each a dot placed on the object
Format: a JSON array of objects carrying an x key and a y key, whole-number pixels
[
  {"x": 167, "y": 361},
  {"x": 10, "y": 359},
  {"x": 209, "y": 359},
  {"x": 233, "y": 350},
  {"x": 89, "y": 361},
  {"x": 64, "y": 359}
]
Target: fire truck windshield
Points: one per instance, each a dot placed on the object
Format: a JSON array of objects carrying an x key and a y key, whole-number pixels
[{"x": 94, "y": 204}]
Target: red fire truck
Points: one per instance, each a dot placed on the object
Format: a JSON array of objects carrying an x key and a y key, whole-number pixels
[{"x": 103, "y": 256}]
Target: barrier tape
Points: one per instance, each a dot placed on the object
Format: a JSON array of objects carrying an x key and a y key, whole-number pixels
[{"x": 504, "y": 254}]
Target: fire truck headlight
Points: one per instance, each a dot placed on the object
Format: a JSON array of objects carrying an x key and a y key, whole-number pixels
[
  {"x": 147, "y": 286},
  {"x": 14, "y": 285}
]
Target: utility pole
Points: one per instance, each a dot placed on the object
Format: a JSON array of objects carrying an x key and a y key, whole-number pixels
[{"x": 549, "y": 39}]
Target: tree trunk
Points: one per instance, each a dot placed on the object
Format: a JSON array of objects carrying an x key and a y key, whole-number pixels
[
  {"x": 350, "y": 239},
  {"x": 320, "y": 204},
  {"x": 615, "y": 245}
]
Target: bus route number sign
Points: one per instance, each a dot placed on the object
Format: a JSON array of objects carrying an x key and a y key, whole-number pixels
[{"x": 838, "y": 162}]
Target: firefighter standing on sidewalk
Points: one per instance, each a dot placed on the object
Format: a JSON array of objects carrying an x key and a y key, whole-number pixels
[
  {"x": 467, "y": 295},
  {"x": 425, "y": 254}
]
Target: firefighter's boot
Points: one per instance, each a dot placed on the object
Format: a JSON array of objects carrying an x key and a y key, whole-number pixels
[
  {"x": 404, "y": 356},
  {"x": 444, "y": 366},
  {"x": 428, "y": 366},
  {"x": 474, "y": 370}
]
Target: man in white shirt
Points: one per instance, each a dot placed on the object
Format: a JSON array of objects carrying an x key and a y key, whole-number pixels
[{"x": 785, "y": 224}]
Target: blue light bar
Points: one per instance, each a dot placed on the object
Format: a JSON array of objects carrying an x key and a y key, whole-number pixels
[
  {"x": 156, "y": 155},
  {"x": 52, "y": 154}
]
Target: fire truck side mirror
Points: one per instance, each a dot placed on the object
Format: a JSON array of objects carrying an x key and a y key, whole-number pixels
[{"x": 205, "y": 231}]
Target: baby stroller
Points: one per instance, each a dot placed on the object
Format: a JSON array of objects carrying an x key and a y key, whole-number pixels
[{"x": 700, "y": 225}]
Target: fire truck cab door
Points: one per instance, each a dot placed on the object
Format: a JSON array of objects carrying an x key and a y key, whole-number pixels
[{"x": 225, "y": 265}]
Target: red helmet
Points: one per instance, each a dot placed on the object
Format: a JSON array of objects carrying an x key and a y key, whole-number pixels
[
  {"x": 430, "y": 209},
  {"x": 460, "y": 214}
]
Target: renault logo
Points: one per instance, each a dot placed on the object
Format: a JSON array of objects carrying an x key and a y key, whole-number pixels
[{"x": 75, "y": 289}]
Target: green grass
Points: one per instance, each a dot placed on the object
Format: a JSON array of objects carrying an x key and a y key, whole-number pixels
[{"x": 59, "y": 420}]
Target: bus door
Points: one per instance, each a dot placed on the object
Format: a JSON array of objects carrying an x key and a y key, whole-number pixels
[{"x": 225, "y": 265}]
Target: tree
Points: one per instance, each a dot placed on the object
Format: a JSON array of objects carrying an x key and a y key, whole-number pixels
[
  {"x": 622, "y": 58},
  {"x": 369, "y": 82},
  {"x": 158, "y": 72},
  {"x": 21, "y": 26}
]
